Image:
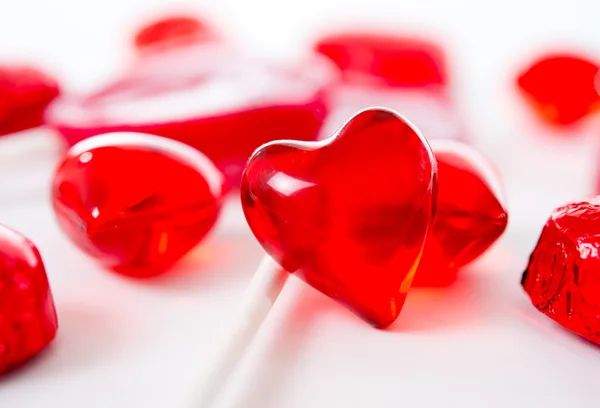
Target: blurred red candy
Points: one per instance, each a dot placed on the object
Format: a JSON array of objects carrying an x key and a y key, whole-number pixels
[
  {"x": 28, "y": 321},
  {"x": 470, "y": 214},
  {"x": 563, "y": 275},
  {"x": 350, "y": 215},
  {"x": 216, "y": 100},
  {"x": 391, "y": 60},
  {"x": 172, "y": 31},
  {"x": 25, "y": 93},
  {"x": 561, "y": 88},
  {"x": 136, "y": 202}
]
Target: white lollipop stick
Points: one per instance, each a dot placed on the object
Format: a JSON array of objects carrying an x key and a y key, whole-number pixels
[{"x": 265, "y": 287}]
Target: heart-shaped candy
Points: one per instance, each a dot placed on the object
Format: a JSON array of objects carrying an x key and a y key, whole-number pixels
[
  {"x": 349, "y": 215},
  {"x": 212, "y": 98},
  {"x": 28, "y": 321},
  {"x": 470, "y": 213},
  {"x": 25, "y": 92},
  {"x": 136, "y": 202},
  {"x": 561, "y": 87}
]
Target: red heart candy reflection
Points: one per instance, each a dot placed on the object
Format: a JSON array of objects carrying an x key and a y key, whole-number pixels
[
  {"x": 392, "y": 60},
  {"x": 25, "y": 92},
  {"x": 470, "y": 214},
  {"x": 136, "y": 202},
  {"x": 349, "y": 215},
  {"x": 561, "y": 87},
  {"x": 28, "y": 321},
  {"x": 213, "y": 99}
]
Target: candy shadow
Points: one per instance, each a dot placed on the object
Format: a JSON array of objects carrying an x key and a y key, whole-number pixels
[
  {"x": 445, "y": 308},
  {"x": 85, "y": 337}
]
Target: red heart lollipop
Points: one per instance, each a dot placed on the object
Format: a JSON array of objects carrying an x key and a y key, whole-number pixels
[
  {"x": 470, "y": 214},
  {"x": 136, "y": 202},
  {"x": 172, "y": 32},
  {"x": 28, "y": 320},
  {"x": 215, "y": 100},
  {"x": 391, "y": 60},
  {"x": 349, "y": 215},
  {"x": 25, "y": 93},
  {"x": 563, "y": 275},
  {"x": 561, "y": 87}
]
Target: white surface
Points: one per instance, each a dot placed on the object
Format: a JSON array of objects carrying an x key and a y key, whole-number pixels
[{"x": 124, "y": 343}]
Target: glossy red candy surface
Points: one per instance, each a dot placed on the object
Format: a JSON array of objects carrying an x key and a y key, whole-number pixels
[
  {"x": 136, "y": 202},
  {"x": 215, "y": 100},
  {"x": 561, "y": 88},
  {"x": 25, "y": 93},
  {"x": 28, "y": 321},
  {"x": 349, "y": 215},
  {"x": 470, "y": 213},
  {"x": 563, "y": 275},
  {"x": 391, "y": 60},
  {"x": 172, "y": 31}
]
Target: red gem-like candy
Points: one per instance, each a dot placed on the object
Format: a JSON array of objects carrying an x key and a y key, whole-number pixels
[
  {"x": 28, "y": 320},
  {"x": 470, "y": 215},
  {"x": 136, "y": 202},
  {"x": 349, "y": 215},
  {"x": 561, "y": 88},
  {"x": 563, "y": 275},
  {"x": 393, "y": 60},
  {"x": 173, "y": 31},
  {"x": 25, "y": 93},
  {"x": 217, "y": 101}
]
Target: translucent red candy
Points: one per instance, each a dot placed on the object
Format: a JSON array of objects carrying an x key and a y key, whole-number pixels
[
  {"x": 28, "y": 321},
  {"x": 470, "y": 215},
  {"x": 349, "y": 215},
  {"x": 392, "y": 60},
  {"x": 563, "y": 275},
  {"x": 213, "y": 99},
  {"x": 561, "y": 88},
  {"x": 172, "y": 31},
  {"x": 136, "y": 202},
  {"x": 25, "y": 93}
]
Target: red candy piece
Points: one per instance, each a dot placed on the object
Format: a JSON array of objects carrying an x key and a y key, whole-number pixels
[
  {"x": 348, "y": 215},
  {"x": 28, "y": 321},
  {"x": 561, "y": 88},
  {"x": 171, "y": 32},
  {"x": 470, "y": 215},
  {"x": 563, "y": 275},
  {"x": 136, "y": 202},
  {"x": 214, "y": 100},
  {"x": 24, "y": 95},
  {"x": 393, "y": 60}
]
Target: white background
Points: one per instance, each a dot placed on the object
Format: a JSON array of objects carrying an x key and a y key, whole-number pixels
[{"x": 479, "y": 343}]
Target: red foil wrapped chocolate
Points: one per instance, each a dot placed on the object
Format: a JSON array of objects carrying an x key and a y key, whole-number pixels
[
  {"x": 470, "y": 213},
  {"x": 136, "y": 202},
  {"x": 172, "y": 31},
  {"x": 562, "y": 278},
  {"x": 349, "y": 215},
  {"x": 28, "y": 321},
  {"x": 211, "y": 98},
  {"x": 25, "y": 92},
  {"x": 561, "y": 87}
]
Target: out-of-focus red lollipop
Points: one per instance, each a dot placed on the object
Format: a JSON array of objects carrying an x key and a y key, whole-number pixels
[
  {"x": 25, "y": 92},
  {"x": 563, "y": 275},
  {"x": 470, "y": 213},
  {"x": 136, "y": 202},
  {"x": 349, "y": 215},
  {"x": 561, "y": 87},
  {"x": 387, "y": 59},
  {"x": 28, "y": 321},
  {"x": 177, "y": 30},
  {"x": 218, "y": 101}
]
